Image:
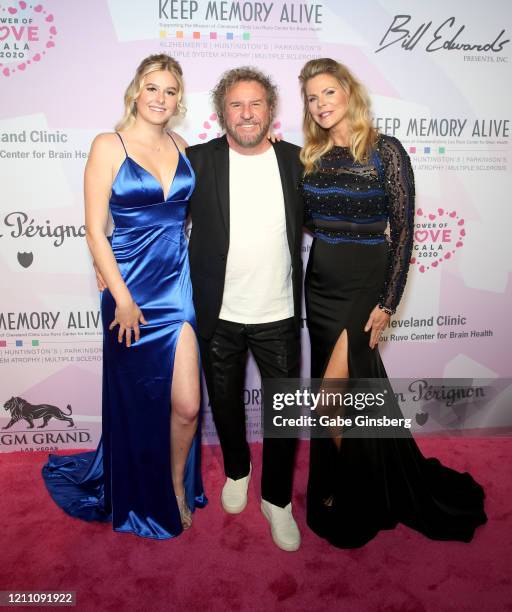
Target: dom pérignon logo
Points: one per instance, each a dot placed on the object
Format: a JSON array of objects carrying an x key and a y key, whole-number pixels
[
  {"x": 421, "y": 418},
  {"x": 25, "y": 259},
  {"x": 21, "y": 410},
  {"x": 27, "y": 34}
]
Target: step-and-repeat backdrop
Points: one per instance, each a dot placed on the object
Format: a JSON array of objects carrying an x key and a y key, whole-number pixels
[{"x": 439, "y": 74}]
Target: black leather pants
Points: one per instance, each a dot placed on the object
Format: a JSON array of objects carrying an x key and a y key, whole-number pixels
[{"x": 276, "y": 350}]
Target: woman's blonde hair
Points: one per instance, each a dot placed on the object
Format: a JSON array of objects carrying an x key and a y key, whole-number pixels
[
  {"x": 152, "y": 63},
  {"x": 317, "y": 140}
]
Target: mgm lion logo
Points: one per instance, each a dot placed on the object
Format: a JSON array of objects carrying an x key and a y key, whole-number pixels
[{"x": 21, "y": 409}]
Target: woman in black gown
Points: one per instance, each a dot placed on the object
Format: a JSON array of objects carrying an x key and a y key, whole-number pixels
[{"x": 356, "y": 183}]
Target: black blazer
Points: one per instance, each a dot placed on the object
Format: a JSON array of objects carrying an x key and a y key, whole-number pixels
[{"x": 209, "y": 240}]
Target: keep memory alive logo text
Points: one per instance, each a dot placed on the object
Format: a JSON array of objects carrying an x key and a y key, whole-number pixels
[{"x": 27, "y": 33}]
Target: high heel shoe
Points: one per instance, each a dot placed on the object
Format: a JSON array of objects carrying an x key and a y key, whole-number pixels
[{"x": 185, "y": 514}]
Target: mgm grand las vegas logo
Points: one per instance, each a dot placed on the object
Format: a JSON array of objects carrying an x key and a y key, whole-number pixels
[{"x": 23, "y": 415}]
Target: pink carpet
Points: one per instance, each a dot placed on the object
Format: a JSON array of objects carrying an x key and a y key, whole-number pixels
[{"x": 230, "y": 563}]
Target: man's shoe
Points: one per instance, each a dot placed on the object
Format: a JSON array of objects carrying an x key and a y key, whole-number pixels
[
  {"x": 285, "y": 533},
  {"x": 234, "y": 493}
]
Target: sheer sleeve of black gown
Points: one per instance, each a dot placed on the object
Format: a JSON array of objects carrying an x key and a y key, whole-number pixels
[{"x": 399, "y": 187}]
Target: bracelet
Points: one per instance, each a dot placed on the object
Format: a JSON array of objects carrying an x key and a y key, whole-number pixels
[{"x": 388, "y": 311}]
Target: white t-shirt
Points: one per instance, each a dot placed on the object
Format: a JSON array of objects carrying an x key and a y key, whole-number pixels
[{"x": 258, "y": 286}]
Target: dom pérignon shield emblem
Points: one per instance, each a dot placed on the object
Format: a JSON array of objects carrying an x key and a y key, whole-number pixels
[{"x": 25, "y": 259}]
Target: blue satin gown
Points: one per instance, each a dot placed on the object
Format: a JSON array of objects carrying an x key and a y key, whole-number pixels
[{"x": 128, "y": 479}]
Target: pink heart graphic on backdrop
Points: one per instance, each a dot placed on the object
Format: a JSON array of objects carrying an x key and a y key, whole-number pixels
[
  {"x": 449, "y": 236},
  {"x": 27, "y": 42},
  {"x": 420, "y": 235},
  {"x": 207, "y": 126}
]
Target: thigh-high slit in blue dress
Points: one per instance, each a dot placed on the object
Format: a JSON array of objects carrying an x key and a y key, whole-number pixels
[{"x": 128, "y": 478}]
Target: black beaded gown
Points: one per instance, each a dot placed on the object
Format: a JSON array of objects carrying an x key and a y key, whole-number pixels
[{"x": 370, "y": 483}]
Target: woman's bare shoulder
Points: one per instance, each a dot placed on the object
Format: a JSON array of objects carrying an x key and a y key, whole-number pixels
[
  {"x": 106, "y": 147},
  {"x": 179, "y": 140},
  {"x": 106, "y": 142}
]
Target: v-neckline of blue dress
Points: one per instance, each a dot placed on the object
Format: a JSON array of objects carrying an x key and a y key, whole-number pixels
[{"x": 150, "y": 174}]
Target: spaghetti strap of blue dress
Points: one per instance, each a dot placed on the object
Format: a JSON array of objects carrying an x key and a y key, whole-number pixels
[{"x": 127, "y": 480}]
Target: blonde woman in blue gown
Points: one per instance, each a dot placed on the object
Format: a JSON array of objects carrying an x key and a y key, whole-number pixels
[{"x": 145, "y": 474}]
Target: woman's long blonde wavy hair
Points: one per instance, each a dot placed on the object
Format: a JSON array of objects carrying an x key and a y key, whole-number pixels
[
  {"x": 317, "y": 140},
  {"x": 152, "y": 63}
]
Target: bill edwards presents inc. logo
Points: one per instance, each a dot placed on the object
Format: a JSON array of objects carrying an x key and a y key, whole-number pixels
[
  {"x": 437, "y": 237},
  {"x": 27, "y": 33},
  {"x": 449, "y": 35}
]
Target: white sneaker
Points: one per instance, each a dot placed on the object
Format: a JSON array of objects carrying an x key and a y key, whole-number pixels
[
  {"x": 285, "y": 533},
  {"x": 234, "y": 493}
]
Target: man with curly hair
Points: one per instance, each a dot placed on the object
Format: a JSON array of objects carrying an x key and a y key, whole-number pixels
[{"x": 246, "y": 271}]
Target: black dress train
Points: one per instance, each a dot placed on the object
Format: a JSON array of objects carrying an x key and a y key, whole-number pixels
[{"x": 370, "y": 483}]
